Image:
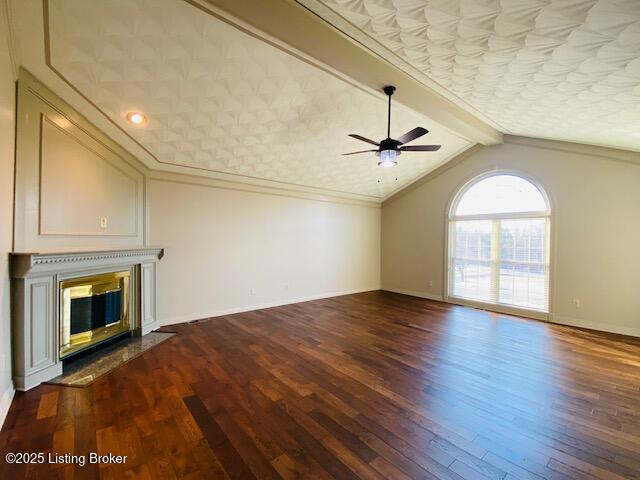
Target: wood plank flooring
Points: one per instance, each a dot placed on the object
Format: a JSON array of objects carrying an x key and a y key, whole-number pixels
[{"x": 374, "y": 386}]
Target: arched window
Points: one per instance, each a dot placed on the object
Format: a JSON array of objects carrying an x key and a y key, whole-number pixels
[{"x": 499, "y": 243}]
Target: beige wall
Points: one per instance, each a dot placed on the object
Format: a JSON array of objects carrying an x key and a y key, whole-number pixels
[
  {"x": 230, "y": 250},
  {"x": 7, "y": 115},
  {"x": 228, "y": 247},
  {"x": 596, "y": 228},
  {"x": 75, "y": 187}
]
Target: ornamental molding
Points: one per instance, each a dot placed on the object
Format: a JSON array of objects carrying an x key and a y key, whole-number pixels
[
  {"x": 49, "y": 263},
  {"x": 42, "y": 259}
]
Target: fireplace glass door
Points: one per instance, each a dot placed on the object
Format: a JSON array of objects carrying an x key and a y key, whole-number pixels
[{"x": 93, "y": 309}]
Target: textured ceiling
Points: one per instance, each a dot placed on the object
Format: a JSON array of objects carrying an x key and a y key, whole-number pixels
[
  {"x": 561, "y": 69},
  {"x": 221, "y": 100}
]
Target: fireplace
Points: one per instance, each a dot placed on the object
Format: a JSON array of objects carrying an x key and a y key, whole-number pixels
[
  {"x": 93, "y": 309},
  {"x": 64, "y": 303}
]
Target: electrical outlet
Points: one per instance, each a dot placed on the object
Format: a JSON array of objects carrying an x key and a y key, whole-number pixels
[
  {"x": 103, "y": 222},
  {"x": 576, "y": 302},
  {"x": 431, "y": 283},
  {"x": 252, "y": 291}
]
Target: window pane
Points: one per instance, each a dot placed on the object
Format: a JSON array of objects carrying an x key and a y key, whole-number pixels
[
  {"x": 471, "y": 261},
  {"x": 501, "y": 194},
  {"x": 523, "y": 263}
]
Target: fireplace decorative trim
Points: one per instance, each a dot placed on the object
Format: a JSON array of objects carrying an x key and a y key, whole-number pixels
[{"x": 35, "y": 287}]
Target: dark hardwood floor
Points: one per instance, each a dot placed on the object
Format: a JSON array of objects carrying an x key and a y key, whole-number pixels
[{"x": 374, "y": 385}]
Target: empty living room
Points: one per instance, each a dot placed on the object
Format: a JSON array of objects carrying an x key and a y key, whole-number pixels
[{"x": 320, "y": 239}]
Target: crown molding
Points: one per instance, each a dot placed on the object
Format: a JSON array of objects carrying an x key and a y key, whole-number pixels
[
  {"x": 596, "y": 151},
  {"x": 317, "y": 195}
]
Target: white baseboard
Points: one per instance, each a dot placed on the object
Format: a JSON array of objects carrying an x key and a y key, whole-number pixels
[
  {"x": 413, "y": 293},
  {"x": 599, "y": 326},
  {"x": 259, "y": 306},
  {"x": 558, "y": 319},
  {"x": 5, "y": 403}
]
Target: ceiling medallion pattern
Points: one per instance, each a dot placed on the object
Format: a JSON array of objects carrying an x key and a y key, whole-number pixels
[
  {"x": 218, "y": 99},
  {"x": 561, "y": 69}
]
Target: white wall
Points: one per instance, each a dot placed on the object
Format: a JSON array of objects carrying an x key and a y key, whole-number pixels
[
  {"x": 220, "y": 244},
  {"x": 596, "y": 228},
  {"x": 7, "y": 116}
]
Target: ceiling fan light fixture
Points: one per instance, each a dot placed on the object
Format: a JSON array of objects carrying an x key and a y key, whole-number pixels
[
  {"x": 389, "y": 148},
  {"x": 388, "y": 158}
]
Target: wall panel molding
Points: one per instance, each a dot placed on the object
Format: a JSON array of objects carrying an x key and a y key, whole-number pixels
[
  {"x": 67, "y": 165},
  {"x": 75, "y": 187}
]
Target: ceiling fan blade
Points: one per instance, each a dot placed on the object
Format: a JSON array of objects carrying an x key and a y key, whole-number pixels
[
  {"x": 361, "y": 151},
  {"x": 360, "y": 137},
  {"x": 420, "y": 148},
  {"x": 412, "y": 135}
]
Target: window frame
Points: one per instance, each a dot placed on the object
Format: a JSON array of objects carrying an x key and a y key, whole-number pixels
[{"x": 451, "y": 217}]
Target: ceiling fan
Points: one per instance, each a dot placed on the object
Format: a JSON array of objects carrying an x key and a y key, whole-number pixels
[{"x": 389, "y": 149}]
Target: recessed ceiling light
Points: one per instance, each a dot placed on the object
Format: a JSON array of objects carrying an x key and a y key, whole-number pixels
[{"x": 136, "y": 118}]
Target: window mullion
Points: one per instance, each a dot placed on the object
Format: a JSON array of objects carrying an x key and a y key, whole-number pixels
[
  {"x": 453, "y": 245},
  {"x": 495, "y": 261}
]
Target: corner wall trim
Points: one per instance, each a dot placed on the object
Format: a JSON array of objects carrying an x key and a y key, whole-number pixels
[
  {"x": 5, "y": 403},
  {"x": 250, "y": 308}
]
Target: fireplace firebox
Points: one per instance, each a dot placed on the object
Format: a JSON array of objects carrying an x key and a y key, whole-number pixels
[{"x": 93, "y": 310}]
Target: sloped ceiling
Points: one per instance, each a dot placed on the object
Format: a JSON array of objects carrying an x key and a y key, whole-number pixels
[
  {"x": 560, "y": 69},
  {"x": 221, "y": 100}
]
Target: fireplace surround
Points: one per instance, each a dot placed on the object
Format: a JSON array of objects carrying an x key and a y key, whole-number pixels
[{"x": 63, "y": 303}]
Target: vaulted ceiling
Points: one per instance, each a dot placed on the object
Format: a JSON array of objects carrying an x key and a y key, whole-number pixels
[
  {"x": 266, "y": 92},
  {"x": 219, "y": 99},
  {"x": 560, "y": 69}
]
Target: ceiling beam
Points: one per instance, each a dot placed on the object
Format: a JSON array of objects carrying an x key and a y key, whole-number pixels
[{"x": 293, "y": 25}]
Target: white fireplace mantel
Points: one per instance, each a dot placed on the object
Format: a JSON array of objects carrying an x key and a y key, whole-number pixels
[{"x": 35, "y": 279}]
